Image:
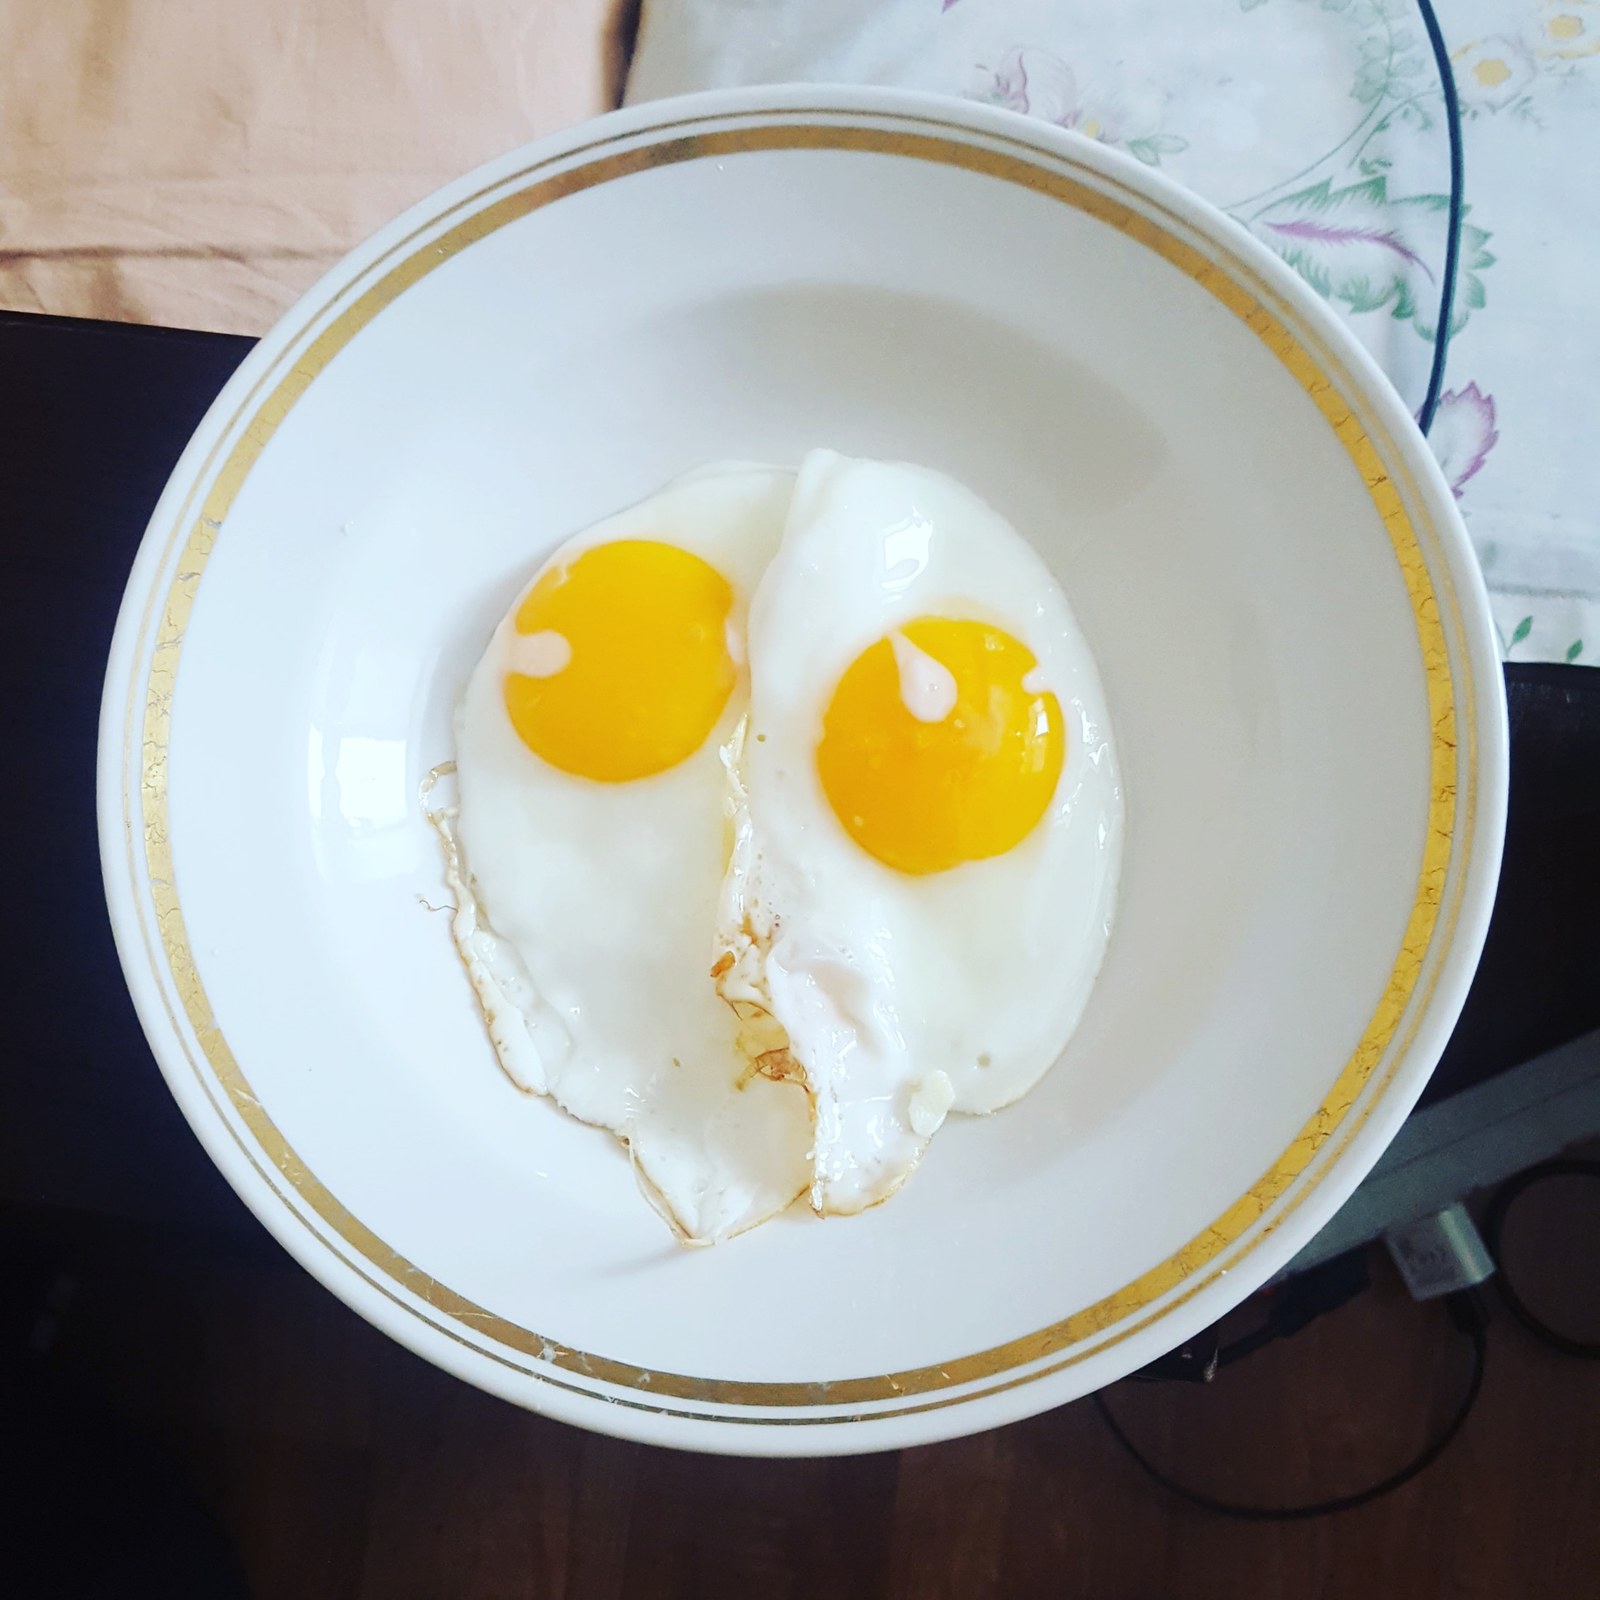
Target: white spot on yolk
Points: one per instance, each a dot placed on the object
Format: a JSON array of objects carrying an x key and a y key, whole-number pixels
[
  {"x": 538, "y": 655},
  {"x": 1033, "y": 681},
  {"x": 927, "y": 687}
]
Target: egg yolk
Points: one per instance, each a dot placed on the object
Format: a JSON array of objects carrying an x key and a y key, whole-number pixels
[
  {"x": 619, "y": 666},
  {"x": 935, "y": 751}
]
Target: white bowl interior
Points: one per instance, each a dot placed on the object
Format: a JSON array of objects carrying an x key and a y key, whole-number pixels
[{"x": 1224, "y": 556}]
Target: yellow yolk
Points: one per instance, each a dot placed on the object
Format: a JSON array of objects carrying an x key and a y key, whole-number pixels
[
  {"x": 923, "y": 791},
  {"x": 619, "y": 666}
]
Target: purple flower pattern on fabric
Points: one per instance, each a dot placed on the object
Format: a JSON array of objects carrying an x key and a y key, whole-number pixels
[
  {"x": 1043, "y": 86},
  {"x": 1354, "y": 224},
  {"x": 1463, "y": 434}
]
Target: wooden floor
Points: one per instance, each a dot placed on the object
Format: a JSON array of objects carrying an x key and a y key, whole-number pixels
[{"x": 337, "y": 1465}]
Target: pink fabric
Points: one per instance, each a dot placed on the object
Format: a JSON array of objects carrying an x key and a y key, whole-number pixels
[{"x": 200, "y": 163}]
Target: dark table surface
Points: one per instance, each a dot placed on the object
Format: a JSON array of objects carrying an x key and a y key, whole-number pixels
[
  {"x": 92, "y": 418},
  {"x": 203, "y": 1419}
]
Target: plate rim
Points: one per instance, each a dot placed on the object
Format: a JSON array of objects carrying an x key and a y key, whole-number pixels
[{"x": 839, "y": 1414}]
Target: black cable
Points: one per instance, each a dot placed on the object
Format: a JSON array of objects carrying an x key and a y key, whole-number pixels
[
  {"x": 1290, "y": 1306},
  {"x": 1452, "y": 245},
  {"x": 1300, "y": 1300},
  {"x": 1494, "y": 1222},
  {"x": 1466, "y": 1311}
]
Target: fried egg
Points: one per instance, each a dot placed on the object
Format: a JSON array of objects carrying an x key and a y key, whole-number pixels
[
  {"x": 926, "y": 817},
  {"x": 588, "y": 843}
]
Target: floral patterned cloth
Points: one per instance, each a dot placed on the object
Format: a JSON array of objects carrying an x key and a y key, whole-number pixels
[{"x": 1317, "y": 124}]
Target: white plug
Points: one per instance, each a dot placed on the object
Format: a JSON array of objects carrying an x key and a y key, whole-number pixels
[{"x": 1439, "y": 1254}]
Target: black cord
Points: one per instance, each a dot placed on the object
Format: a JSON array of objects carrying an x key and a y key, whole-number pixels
[
  {"x": 1301, "y": 1300},
  {"x": 1494, "y": 1223},
  {"x": 1466, "y": 1311},
  {"x": 1465, "y": 1308},
  {"x": 1452, "y": 246}
]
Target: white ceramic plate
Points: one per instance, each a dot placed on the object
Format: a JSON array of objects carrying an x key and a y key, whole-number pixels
[{"x": 1290, "y": 627}]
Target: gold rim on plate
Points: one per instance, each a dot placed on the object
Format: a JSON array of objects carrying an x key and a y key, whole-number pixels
[{"x": 1229, "y": 279}]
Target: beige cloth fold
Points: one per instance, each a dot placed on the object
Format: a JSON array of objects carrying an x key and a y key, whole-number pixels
[{"x": 200, "y": 162}]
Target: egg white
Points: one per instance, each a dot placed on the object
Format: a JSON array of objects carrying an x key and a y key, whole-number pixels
[
  {"x": 586, "y": 911},
  {"x": 903, "y": 997}
]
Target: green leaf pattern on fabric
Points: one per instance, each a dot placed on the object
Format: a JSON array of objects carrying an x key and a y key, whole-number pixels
[
  {"x": 1347, "y": 234},
  {"x": 1344, "y": 221},
  {"x": 1369, "y": 250}
]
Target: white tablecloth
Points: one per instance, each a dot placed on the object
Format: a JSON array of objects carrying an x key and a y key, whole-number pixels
[{"x": 1318, "y": 124}]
